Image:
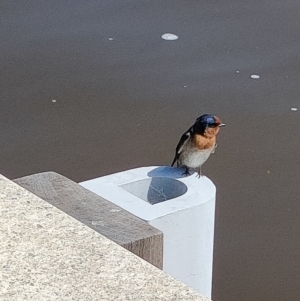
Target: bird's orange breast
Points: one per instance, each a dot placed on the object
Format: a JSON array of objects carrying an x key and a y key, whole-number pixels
[{"x": 203, "y": 142}]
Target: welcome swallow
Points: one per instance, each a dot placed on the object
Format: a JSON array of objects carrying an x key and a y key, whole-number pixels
[{"x": 197, "y": 143}]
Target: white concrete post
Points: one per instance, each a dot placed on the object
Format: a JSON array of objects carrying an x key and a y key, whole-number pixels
[{"x": 183, "y": 208}]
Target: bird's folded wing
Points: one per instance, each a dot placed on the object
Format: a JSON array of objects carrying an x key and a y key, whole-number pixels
[{"x": 181, "y": 144}]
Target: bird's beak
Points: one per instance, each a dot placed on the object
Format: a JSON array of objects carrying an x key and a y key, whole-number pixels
[{"x": 222, "y": 124}]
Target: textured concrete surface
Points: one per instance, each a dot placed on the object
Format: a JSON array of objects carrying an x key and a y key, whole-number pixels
[{"x": 47, "y": 255}]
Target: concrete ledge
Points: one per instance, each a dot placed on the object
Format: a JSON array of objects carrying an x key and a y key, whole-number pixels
[
  {"x": 104, "y": 217},
  {"x": 48, "y": 255}
]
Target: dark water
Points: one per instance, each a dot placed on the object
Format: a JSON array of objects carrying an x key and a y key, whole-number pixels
[{"x": 123, "y": 103}]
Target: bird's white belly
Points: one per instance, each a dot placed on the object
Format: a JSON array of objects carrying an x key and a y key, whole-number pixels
[{"x": 194, "y": 158}]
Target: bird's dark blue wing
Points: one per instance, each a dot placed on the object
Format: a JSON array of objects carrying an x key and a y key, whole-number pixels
[{"x": 182, "y": 142}]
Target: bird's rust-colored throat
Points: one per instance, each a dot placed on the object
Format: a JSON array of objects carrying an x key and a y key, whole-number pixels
[
  {"x": 211, "y": 132},
  {"x": 208, "y": 139},
  {"x": 205, "y": 141}
]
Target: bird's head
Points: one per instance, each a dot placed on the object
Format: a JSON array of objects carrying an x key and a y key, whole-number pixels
[{"x": 208, "y": 124}]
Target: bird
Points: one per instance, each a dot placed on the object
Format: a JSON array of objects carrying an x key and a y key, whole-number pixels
[{"x": 197, "y": 143}]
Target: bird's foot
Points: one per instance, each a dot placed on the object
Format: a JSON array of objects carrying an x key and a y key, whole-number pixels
[{"x": 187, "y": 172}]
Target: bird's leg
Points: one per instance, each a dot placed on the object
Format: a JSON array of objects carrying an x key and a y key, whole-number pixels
[
  {"x": 186, "y": 173},
  {"x": 199, "y": 172}
]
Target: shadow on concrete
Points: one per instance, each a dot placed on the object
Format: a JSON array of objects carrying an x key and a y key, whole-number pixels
[{"x": 168, "y": 171}]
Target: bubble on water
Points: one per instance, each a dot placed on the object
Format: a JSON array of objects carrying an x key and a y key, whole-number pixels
[
  {"x": 255, "y": 76},
  {"x": 53, "y": 100},
  {"x": 169, "y": 37},
  {"x": 294, "y": 109}
]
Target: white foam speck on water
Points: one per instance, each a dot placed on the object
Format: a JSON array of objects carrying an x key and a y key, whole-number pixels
[
  {"x": 237, "y": 71},
  {"x": 254, "y": 76},
  {"x": 53, "y": 100},
  {"x": 184, "y": 86},
  {"x": 294, "y": 109},
  {"x": 169, "y": 37},
  {"x": 111, "y": 39}
]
